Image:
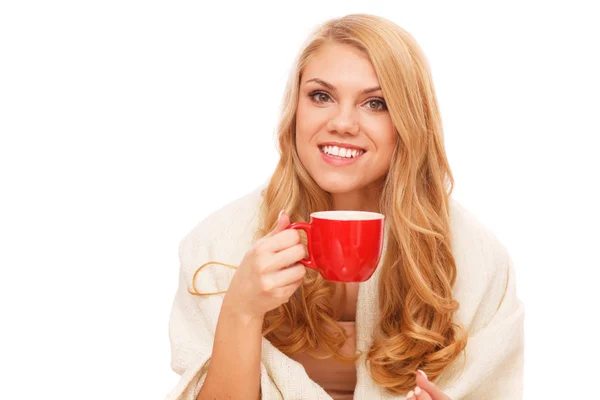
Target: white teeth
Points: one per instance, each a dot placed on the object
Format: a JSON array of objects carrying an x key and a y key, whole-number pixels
[{"x": 341, "y": 151}]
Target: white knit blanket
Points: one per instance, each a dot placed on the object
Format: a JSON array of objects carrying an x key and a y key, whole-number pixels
[{"x": 485, "y": 288}]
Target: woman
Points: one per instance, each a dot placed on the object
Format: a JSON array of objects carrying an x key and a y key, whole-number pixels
[{"x": 360, "y": 130}]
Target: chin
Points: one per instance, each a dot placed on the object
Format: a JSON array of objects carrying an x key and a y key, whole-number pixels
[{"x": 336, "y": 184}]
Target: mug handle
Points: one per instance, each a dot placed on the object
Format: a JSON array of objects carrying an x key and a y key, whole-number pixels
[{"x": 305, "y": 226}]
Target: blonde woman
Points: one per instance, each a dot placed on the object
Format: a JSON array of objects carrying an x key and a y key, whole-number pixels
[{"x": 439, "y": 319}]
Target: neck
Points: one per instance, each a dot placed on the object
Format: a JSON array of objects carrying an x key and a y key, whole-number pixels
[{"x": 365, "y": 199}]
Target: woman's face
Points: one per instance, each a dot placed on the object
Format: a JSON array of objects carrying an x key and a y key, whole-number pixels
[{"x": 344, "y": 135}]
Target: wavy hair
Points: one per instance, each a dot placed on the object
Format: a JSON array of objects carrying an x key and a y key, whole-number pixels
[{"x": 415, "y": 329}]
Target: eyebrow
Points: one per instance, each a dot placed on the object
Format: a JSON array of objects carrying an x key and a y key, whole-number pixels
[{"x": 331, "y": 87}]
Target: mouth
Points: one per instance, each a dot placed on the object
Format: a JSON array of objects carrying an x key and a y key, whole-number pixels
[
  {"x": 341, "y": 151},
  {"x": 339, "y": 155}
]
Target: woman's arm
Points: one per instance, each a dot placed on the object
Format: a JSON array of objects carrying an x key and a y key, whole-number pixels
[
  {"x": 234, "y": 369},
  {"x": 265, "y": 279}
]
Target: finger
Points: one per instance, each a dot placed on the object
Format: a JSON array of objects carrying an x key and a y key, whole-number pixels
[
  {"x": 289, "y": 276},
  {"x": 287, "y": 291},
  {"x": 421, "y": 394},
  {"x": 283, "y": 221},
  {"x": 281, "y": 240},
  {"x": 284, "y": 258},
  {"x": 430, "y": 387}
]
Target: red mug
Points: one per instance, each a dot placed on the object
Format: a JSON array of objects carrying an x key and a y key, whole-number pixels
[{"x": 344, "y": 246}]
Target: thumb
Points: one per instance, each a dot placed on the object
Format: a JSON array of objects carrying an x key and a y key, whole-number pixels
[{"x": 283, "y": 221}]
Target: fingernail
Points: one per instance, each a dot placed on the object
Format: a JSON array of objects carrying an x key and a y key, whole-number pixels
[
  {"x": 422, "y": 373},
  {"x": 417, "y": 390},
  {"x": 410, "y": 394}
]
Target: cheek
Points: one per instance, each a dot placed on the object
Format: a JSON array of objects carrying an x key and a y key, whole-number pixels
[
  {"x": 300, "y": 122},
  {"x": 303, "y": 131},
  {"x": 386, "y": 142},
  {"x": 304, "y": 118},
  {"x": 392, "y": 142},
  {"x": 308, "y": 123},
  {"x": 385, "y": 149}
]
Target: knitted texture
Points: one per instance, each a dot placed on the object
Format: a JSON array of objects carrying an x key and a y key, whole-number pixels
[{"x": 485, "y": 287}]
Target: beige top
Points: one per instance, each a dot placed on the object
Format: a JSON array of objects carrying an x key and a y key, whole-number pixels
[
  {"x": 337, "y": 378},
  {"x": 485, "y": 288}
]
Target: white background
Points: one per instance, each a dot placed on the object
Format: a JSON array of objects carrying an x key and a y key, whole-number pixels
[{"x": 125, "y": 123}]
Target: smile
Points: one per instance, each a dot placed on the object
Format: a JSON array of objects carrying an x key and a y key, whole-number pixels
[
  {"x": 341, "y": 152},
  {"x": 339, "y": 155}
]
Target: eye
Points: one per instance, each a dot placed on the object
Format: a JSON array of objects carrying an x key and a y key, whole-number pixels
[
  {"x": 379, "y": 105},
  {"x": 319, "y": 96}
]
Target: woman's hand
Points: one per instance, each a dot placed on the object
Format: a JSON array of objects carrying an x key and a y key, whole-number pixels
[
  {"x": 268, "y": 275},
  {"x": 425, "y": 390}
]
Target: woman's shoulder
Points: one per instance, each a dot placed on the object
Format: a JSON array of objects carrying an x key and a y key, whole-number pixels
[
  {"x": 483, "y": 266},
  {"x": 471, "y": 235}
]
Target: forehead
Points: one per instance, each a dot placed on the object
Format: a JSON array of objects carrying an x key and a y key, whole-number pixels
[{"x": 341, "y": 65}]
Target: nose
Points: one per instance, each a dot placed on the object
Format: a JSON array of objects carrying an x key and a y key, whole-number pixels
[{"x": 344, "y": 122}]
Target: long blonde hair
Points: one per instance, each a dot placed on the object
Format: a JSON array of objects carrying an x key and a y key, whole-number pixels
[{"x": 415, "y": 329}]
